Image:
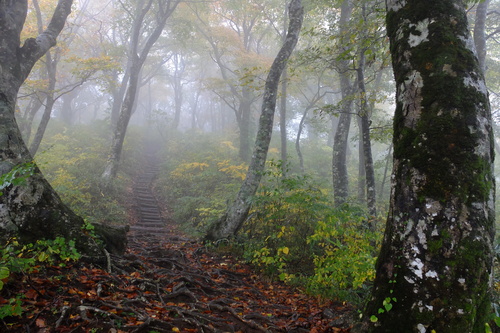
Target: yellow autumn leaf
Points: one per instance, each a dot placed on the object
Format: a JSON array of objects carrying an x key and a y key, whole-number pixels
[{"x": 285, "y": 250}]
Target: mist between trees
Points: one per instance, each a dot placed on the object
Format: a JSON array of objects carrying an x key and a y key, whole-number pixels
[{"x": 186, "y": 82}]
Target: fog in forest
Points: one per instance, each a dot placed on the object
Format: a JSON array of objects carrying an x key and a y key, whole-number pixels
[{"x": 180, "y": 85}]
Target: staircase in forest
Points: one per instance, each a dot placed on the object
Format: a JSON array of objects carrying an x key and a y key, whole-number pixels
[{"x": 150, "y": 221}]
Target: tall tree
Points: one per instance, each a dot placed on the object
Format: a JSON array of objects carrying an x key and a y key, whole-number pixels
[
  {"x": 31, "y": 210},
  {"x": 366, "y": 157},
  {"x": 434, "y": 267},
  {"x": 340, "y": 143},
  {"x": 237, "y": 213},
  {"x": 479, "y": 31},
  {"x": 143, "y": 37},
  {"x": 234, "y": 34},
  {"x": 283, "y": 99}
]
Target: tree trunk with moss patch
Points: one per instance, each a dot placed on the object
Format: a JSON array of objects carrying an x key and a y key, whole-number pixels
[
  {"x": 30, "y": 210},
  {"x": 434, "y": 268}
]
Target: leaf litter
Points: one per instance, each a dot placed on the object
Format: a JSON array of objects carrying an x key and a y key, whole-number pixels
[{"x": 165, "y": 283}]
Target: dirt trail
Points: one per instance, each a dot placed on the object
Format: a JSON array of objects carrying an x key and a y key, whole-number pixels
[
  {"x": 165, "y": 282},
  {"x": 207, "y": 292}
]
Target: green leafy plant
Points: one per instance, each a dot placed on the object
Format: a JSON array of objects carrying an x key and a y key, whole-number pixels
[
  {"x": 285, "y": 211},
  {"x": 347, "y": 259},
  {"x": 17, "y": 176},
  {"x": 24, "y": 258}
]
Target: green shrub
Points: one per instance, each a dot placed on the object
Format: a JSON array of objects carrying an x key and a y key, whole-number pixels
[
  {"x": 284, "y": 212},
  {"x": 347, "y": 260},
  {"x": 294, "y": 233},
  {"x": 199, "y": 177},
  {"x": 73, "y": 161}
]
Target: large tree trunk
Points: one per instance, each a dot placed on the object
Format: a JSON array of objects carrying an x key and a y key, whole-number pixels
[
  {"x": 31, "y": 210},
  {"x": 361, "y": 165},
  {"x": 283, "y": 132},
  {"x": 340, "y": 146},
  {"x": 434, "y": 268},
  {"x": 237, "y": 213},
  {"x": 284, "y": 84}
]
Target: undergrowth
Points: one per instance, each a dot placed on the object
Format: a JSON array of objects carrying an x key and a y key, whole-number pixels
[
  {"x": 293, "y": 233},
  {"x": 73, "y": 159},
  {"x": 296, "y": 235},
  {"x": 22, "y": 259}
]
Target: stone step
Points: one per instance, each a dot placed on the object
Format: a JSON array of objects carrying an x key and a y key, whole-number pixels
[{"x": 152, "y": 230}]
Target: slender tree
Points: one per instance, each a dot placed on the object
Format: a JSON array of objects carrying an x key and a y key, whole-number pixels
[
  {"x": 340, "y": 143},
  {"x": 434, "y": 268},
  {"x": 234, "y": 47},
  {"x": 51, "y": 63},
  {"x": 142, "y": 40},
  {"x": 479, "y": 31},
  {"x": 365, "y": 141},
  {"x": 237, "y": 213}
]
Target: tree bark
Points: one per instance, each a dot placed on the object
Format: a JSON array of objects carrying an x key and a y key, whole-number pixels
[
  {"x": 436, "y": 258},
  {"x": 51, "y": 66},
  {"x": 283, "y": 132},
  {"x": 361, "y": 164},
  {"x": 284, "y": 85},
  {"x": 366, "y": 145},
  {"x": 237, "y": 213},
  {"x": 339, "y": 160},
  {"x": 32, "y": 210},
  {"x": 479, "y": 32}
]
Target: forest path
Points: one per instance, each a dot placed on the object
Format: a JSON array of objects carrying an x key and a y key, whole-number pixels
[
  {"x": 203, "y": 291},
  {"x": 165, "y": 282}
]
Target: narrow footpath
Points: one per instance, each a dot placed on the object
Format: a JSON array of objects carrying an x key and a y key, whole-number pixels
[{"x": 166, "y": 282}]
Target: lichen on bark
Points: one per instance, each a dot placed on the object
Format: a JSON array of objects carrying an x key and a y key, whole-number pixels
[{"x": 437, "y": 252}]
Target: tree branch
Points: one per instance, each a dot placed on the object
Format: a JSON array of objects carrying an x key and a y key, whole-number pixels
[{"x": 34, "y": 48}]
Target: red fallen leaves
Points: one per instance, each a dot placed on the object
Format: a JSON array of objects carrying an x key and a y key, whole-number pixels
[{"x": 172, "y": 286}]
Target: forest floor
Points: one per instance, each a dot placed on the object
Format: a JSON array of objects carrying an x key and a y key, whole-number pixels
[{"x": 165, "y": 282}]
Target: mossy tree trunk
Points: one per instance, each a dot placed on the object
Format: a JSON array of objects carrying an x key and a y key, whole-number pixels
[
  {"x": 237, "y": 212},
  {"x": 434, "y": 268},
  {"x": 32, "y": 210}
]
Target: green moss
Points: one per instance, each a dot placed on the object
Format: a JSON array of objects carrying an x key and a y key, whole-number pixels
[
  {"x": 442, "y": 148},
  {"x": 435, "y": 245}
]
